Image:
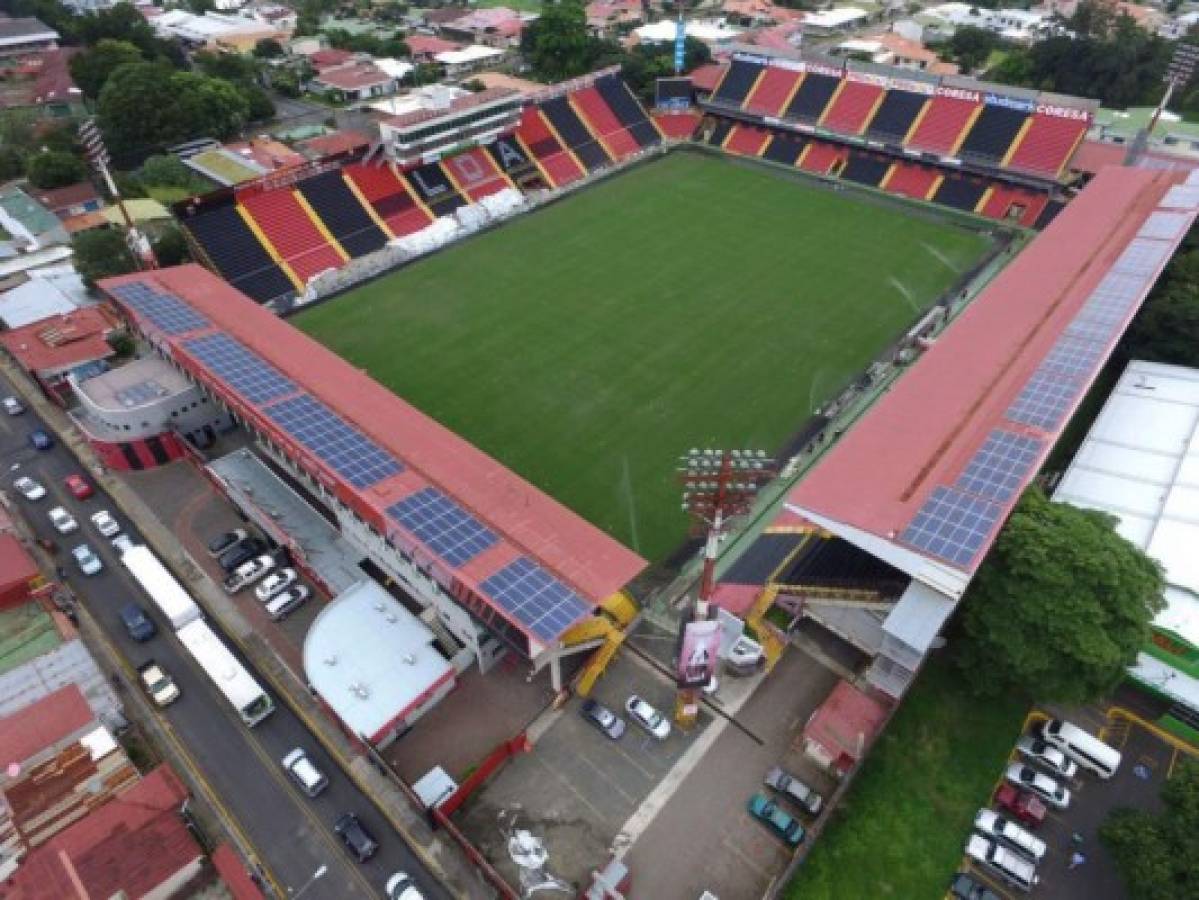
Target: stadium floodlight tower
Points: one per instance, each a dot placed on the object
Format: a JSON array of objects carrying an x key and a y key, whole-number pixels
[
  {"x": 97, "y": 155},
  {"x": 718, "y": 486},
  {"x": 1180, "y": 70}
]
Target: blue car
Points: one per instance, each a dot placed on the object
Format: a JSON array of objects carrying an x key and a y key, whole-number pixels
[
  {"x": 779, "y": 821},
  {"x": 139, "y": 625},
  {"x": 40, "y": 439}
]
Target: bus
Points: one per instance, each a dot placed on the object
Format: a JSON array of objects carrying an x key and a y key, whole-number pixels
[
  {"x": 230, "y": 677},
  {"x": 160, "y": 586}
]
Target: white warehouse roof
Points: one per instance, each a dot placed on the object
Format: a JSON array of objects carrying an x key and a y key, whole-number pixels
[{"x": 1140, "y": 462}]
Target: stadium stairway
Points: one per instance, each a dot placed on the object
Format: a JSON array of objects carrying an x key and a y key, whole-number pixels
[
  {"x": 616, "y": 139},
  {"x": 1047, "y": 144},
  {"x": 351, "y": 225},
  {"x": 993, "y": 133},
  {"x": 739, "y": 79},
  {"x": 435, "y": 189},
  {"x": 574, "y": 133},
  {"x": 233, "y": 248},
  {"x": 813, "y": 96},
  {"x": 299, "y": 237},
  {"x": 854, "y": 104},
  {"x": 475, "y": 174},
  {"x": 773, "y": 91},
  {"x": 391, "y": 197},
  {"x": 770, "y": 636},
  {"x": 610, "y": 624},
  {"x": 620, "y": 100},
  {"x": 941, "y": 126},
  {"x": 895, "y": 116},
  {"x": 558, "y": 165}
]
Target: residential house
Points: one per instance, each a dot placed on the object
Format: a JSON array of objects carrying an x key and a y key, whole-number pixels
[
  {"x": 614, "y": 18},
  {"x": 21, "y": 36},
  {"x": 497, "y": 26},
  {"x": 71, "y": 200},
  {"x": 839, "y": 20},
  {"x": 353, "y": 81},
  {"x": 457, "y": 63},
  {"x": 51, "y": 349},
  {"x": 215, "y": 31},
  {"x": 424, "y": 47},
  {"x": 40, "y": 81}
]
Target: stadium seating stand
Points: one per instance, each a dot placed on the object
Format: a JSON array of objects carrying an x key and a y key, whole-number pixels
[
  {"x": 940, "y": 128},
  {"x": 292, "y": 232},
  {"x": 852, "y": 107}
]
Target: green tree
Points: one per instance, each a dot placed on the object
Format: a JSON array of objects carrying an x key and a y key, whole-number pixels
[
  {"x": 53, "y": 169},
  {"x": 970, "y": 47},
  {"x": 1157, "y": 855},
  {"x": 101, "y": 253},
  {"x": 171, "y": 248},
  {"x": 1060, "y": 607},
  {"x": 12, "y": 163},
  {"x": 91, "y": 68},
  {"x": 1167, "y": 329},
  {"x": 268, "y": 48},
  {"x": 646, "y": 63},
  {"x": 558, "y": 45}
]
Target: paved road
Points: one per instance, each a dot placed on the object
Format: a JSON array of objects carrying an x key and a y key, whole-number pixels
[{"x": 292, "y": 834}]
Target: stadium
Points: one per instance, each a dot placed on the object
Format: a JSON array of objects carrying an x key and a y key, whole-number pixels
[{"x": 483, "y": 343}]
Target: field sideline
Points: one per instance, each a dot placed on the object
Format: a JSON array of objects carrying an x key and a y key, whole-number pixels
[{"x": 691, "y": 301}]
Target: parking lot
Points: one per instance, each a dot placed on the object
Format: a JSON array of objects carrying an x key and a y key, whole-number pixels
[{"x": 1149, "y": 756}]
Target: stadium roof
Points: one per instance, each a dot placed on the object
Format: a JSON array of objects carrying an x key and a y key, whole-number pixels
[
  {"x": 536, "y": 563},
  {"x": 926, "y": 479}
]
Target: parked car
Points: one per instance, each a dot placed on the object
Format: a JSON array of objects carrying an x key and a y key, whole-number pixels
[
  {"x": 13, "y": 406},
  {"x": 139, "y": 625},
  {"x": 241, "y": 553},
  {"x": 1003, "y": 862},
  {"x": 1020, "y": 805},
  {"x": 1046, "y": 756},
  {"x": 1038, "y": 783},
  {"x": 226, "y": 541},
  {"x": 400, "y": 887},
  {"x": 304, "y": 772},
  {"x": 86, "y": 559},
  {"x": 779, "y": 821},
  {"x": 40, "y": 439},
  {"x": 158, "y": 684},
  {"x": 966, "y": 887},
  {"x": 78, "y": 487},
  {"x": 274, "y": 583},
  {"x": 105, "y": 523},
  {"x": 63, "y": 521},
  {"x": 794, "y": 789},
  {"x": 122, "y": 542},
  {"x": 249, "y": 572},
  {"x": 355, "y": 837},
  {"x": 647, "y": 717},
  {"x": 602, "y": 718},
  {"x": 28, "y": 488},
  {"x": 745, "y": 657},
  {"x": 992, "y": 825},
  {"x": 283, "y": 603}
]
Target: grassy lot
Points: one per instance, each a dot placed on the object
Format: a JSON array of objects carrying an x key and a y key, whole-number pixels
[
  {"x": 900, "y": 831},
  {"x": 690, "y": 302}
]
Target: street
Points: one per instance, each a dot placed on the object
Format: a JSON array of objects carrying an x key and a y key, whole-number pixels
[{"x": 292, "y": 834}]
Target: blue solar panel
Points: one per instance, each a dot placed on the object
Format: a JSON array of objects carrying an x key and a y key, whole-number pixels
[
  {"x": 952, "y": 526},
  {"x": 240, "y": 368},
  {"x": 166, "y": 312},
  {"x": 1045, "y": 400},
  {"x": 536, "y": 599},
  {"x": 1000, "y": 465},
  {"x": 342, "y": 447},
  {"x": 443, "y": 526}
]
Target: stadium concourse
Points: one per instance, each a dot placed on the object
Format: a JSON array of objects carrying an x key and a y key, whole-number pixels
[{"x": 459, "y": 530}]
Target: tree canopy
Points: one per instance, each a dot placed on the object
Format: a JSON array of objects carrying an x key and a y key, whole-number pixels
[
  {"x": 558, "y": 45},
  {"x": 101, "y": 253},
  {"x": 91, "y": 68},
  {"x": 54, "y": 169},
  {"x": 1060, "y": 607},
  {"x": 1158, "y": 855},
  {"x": 970, "y": 47},
  {"x": 646, "y": 63}
]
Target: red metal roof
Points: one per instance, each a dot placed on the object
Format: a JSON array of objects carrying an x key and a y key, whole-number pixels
[
  {"x": 42, "y": 724},
  {"x": 233, "y": 872},
  {"x": 926, "y": 427},
  {"x": 16, "y": 565},
  {"x": 61, "y": 342},
  {"x": 845, "y": 724},
  {"x": 529, "y": 521}
]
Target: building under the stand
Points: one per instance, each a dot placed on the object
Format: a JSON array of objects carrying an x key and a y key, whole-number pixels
[{"x": 1140, "y": 463}]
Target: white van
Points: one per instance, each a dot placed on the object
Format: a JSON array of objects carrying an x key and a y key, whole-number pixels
[
  {"x": 1007, "y": 864},
  {"x": 1082, "y": 747}
]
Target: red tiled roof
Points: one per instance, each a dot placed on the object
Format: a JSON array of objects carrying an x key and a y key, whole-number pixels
[
  {"x": 530, "y": 521},
  {"x": 426, "y": 45},
  {"x": 16, "y": 565},
  {"x": 324, "y": 59},
  {"x": 71, "y": 195},
  {"x": 60, "y": 342},
  {"x": 353, "y": 76},
  {"x": 42, "y": 724},
  {"x": 132, "y": 844},
  {"x": 337, "y": 142},
  {"x": 924, "y": 430}
]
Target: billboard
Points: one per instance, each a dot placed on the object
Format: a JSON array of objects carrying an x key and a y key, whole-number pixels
[{"x": 699, "y": 653}]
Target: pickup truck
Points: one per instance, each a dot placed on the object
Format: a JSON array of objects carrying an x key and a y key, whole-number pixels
[{"x": 158, "y": 684}]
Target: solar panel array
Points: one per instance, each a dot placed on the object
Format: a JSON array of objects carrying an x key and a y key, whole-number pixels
[
  {"x": 166, "y": 312},
  {"x": 952, "y": 525},
  {"x": 1182, "y": 196},
  {"x": 240, "y": 368},
  {"x": 537, "y": 600},
  {"x": 338, "y": 444},
  {"x": 1165, "y": 226},
  {"x": 443, "y": 526},
  {"x": 1001, "y": 465}
]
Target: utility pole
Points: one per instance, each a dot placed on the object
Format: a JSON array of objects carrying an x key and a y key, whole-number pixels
[
  {"x": 97, "y": 155},
  {"x": 718, "y": 485}
]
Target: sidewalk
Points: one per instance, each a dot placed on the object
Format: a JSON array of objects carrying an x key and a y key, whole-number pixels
[{"x": 442, "y": 859}]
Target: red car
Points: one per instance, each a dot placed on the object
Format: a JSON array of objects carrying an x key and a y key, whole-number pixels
[
  {"x": 1021, "y": 805},
  {"x": 79, "y": 487}
]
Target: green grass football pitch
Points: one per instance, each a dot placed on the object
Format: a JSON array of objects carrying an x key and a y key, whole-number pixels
[{"x": 690, "y": 302}]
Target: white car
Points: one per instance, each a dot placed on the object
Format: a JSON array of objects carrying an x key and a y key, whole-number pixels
[
  {"x": 1007, "y": 864},
  {"x": 1047, "y": 757},
  {"x": 400, "y": 887},
  {"x": 249, "y": 572},
  {"x": 13, "y": 406},
  {"x": 1005, "y": 831},
  {"x": 63, "y": 521},
  {"x": 647, "y": 717},
  {"x": 105, "y": 523},
  {"x": 29, "y": 489},
  {"x": 274, "y": 583},
  {"x": 1039, "y": 784},
  {"x": 88, "y": 562}
]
